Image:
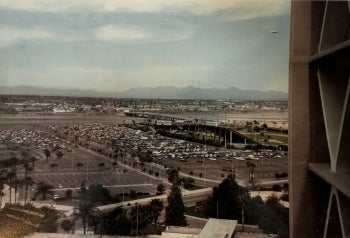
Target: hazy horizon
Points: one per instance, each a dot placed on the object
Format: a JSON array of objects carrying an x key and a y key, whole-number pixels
[
  {"x": 164, "y": 86},
  {"x": 112, "y": 46}
]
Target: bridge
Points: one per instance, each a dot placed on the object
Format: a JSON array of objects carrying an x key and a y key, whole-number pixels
[{"x": 202, "y": 129}]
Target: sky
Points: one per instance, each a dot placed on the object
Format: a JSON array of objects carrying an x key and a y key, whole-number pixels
[{"x": 114, "y": 45}]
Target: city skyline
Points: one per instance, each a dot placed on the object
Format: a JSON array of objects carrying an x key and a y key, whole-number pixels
[{"x": 114, "y": 46}]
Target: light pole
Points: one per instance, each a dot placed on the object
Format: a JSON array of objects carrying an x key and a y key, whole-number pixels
[
  {"x": 87, "y": 172},
  {"x": 252, "y": 166},
  {"x": 137, "y": 218},
  {"x": 217, "y": 209}
]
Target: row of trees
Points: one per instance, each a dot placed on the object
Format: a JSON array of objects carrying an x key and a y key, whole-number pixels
[
  {"x": 118, "y": 221},
  {"x": 10, "y": 178},
  {"x": 231, "y": 201}
]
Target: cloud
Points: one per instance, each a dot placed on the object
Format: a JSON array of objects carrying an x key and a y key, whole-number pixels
[
  {"x": 248, "y": 9},
  {"x": 121, "y": 33},
  {"x": 133, "y": 33},
  {"x": 235, "y": 9},
  {"x": 12, "y": 35}
]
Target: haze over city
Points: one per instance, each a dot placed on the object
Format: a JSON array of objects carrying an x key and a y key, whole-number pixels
[{"x": 115, "y": 45}]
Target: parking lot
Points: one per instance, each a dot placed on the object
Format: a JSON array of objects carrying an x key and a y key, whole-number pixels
[{"x": 108, "y": 153}]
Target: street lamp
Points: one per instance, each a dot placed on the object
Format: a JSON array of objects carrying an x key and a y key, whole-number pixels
[
  {"x": 137, "y": 218},
  {"x": 252, "y": 166}
]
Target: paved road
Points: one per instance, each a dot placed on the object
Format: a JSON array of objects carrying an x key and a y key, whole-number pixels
[{"x": 189, "y": 197}]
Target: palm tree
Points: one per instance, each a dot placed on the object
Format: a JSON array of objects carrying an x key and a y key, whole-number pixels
[
  {"x": 44, "y": 189},
  {"x": 11, "y": 176},
  {"x": 1, "y": 193},
  {"x": 17, "y": 183},
  {"x": 252, "y": 166},
  {"x": 243, "y": 197},
  {"x": 27, "y": 181},
  {"x": 32, "y": 160},
  {"x": 27, "y": 169}
]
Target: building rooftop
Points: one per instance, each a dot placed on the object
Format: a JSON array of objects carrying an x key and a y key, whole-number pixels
[
  {"x": 220, "y": 228},
  {"x": 182, "y": 230}
]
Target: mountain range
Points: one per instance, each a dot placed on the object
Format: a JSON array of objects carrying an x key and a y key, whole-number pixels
[{"x": 165, "y": 92}]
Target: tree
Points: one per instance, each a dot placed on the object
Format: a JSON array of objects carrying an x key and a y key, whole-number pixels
[
  {"x": 187, "y": 182},
  {"x": 102, "y": 165},
  {"x": 67, "y": 225},
  {"x": 1, "y": 192},
  {"x": 27, "y": 169},
  {"x": 243, "y": 198},
  {"x": 160, "y": 188},
  {"x": 27, "y": 181},
  {"x": 226, "y": 200},
  {"x": 252, "y": 167},
  {"x": 79, "y": 165},
  {"x": 44, "y": 189},
  {"x": 53, "y": 166},
  {"x": 174, "y": 212},
  {"x": 97, "y": 194},
  {"x": 85, "y": 208},
  {"x": 173, "y": 175},
  {"x": 88, "y": 200},
  {"x": 255, "y": 208},
  {"x": 114, "y": 163},
  {"x": 140, "y": 217},
  {"x": 47, "y": 154},
  {"x": 32, "y": 160},
  {"x": 69, "y": 193},
  {"x": 116, "y": 223},
  {"x": 264, "y": 126},
  {"x": 277, "y": 222},
  {"x": 132, "y": 194},
  {"x": 59, "y": 154},
  {"x": 17, "y": 183},
  {"x": 156, "y": 206},
  {"x": 11, "y": 176},
  {"x": 49, "y": 221}
]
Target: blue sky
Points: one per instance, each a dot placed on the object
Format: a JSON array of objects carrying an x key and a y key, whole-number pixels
[{"x": 114, "y": 45}]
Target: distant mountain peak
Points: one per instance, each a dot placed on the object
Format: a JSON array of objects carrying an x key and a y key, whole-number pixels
[{"x": 162, "y": 92}]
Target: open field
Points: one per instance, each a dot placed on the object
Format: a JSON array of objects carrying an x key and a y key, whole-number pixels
[{"x": 267, "y": 137}]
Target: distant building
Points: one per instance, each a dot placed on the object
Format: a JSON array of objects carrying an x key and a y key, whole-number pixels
[{"x": 63, "y": 109}]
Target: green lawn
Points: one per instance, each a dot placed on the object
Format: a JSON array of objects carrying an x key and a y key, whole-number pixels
[{"x": 282, "y": 138}]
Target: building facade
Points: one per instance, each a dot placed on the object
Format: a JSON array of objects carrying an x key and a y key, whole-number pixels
[{"x": 319, "y": 119}]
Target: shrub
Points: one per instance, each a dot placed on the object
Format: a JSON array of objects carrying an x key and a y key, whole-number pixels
[
  {"x": 67, "y": 225},
  {"x": 276, "y": 188},
  {"x": 284, "y": 197}
]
